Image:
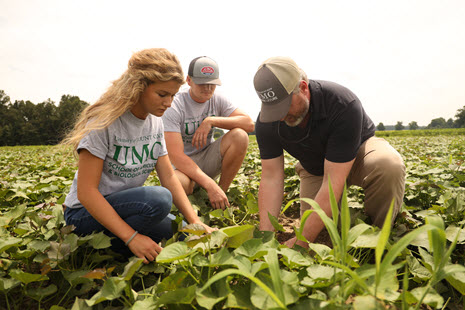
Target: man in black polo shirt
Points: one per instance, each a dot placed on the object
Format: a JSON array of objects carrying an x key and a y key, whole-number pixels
[{"x": 324, "y": 126}]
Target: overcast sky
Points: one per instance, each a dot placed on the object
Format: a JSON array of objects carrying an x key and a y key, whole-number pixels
[{"x": 404, "y": 59}]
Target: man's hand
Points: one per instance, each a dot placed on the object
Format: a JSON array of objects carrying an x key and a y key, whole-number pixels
[
  {"x": 293, "y": 241},
  {"x": 199, "y": 139},
  {"x": 218, "y": 198}
]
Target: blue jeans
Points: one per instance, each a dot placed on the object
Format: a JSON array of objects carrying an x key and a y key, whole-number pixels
[{"x": 146, "y": 209}]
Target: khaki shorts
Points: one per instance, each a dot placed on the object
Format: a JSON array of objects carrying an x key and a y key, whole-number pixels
[
  {"x": 378, "y": 169},
  {"x": 209, "y": 159}
]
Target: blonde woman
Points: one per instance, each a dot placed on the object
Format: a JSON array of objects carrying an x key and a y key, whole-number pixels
[{"x": 119, "y": 140}]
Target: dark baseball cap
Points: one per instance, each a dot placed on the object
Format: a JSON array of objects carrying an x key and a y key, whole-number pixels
[
  {"x": 204, "y": 70},
  {"x": 274, "y": 82}
]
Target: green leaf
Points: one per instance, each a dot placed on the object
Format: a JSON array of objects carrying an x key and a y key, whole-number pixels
[
  {"x": 262, "y": 300},
  {"x": 41, "y": 292},
  {"x": 320, "y": 272},
  {"x": 416, "y": 269},
  {"x": 111, "y": 289},
  {"x": 72, "y": 241},
  {"x": 274, "y": 221},
  {"x": 174, "y": 252},
  {"x": 131, "y": 268},
  {"x": 77, "y": 277},
  {"x": 183, "y": 295},
  {"x": 7, "y": 284},
  {"x": 333, "y": 203},
  {"x": 238, "y": 234},
  {"x": 242, "y": 263},
  {"x": 239, "y": 298},
  {"x": 323, "y": 251},
  {"x": 80, "y": 304},
  {"x": 294, "y": 259},
  {"x": 357, "y": 231},
  {"x": 383, "y": 240},
  {"x": 273, "y": 264},
  {"x": 437, "y": 238},
  {"x": 236, "y": 230},
  {"x": 13, "y": 214},
  {"x": 368, "y": 239},
  {"x": 432, "y": 298},
  {"x": 58, "y": 251},
  {"x": 252, "y": 205},
  {"x": 457, "y": 280},
  {"x": 228, "y": 272},
  {"x": 367, "y": 303},
  {"x": 398, "y": 247},
  {"x": 100, "y": 241},
  {"x": 222, "y": 257},
  {"x": 39, "y": 245},
  {"x": 26, "y": 277},
  {"x": 9, "y": 242},
  {"x": 147, "y": 303},
  {"x": 252, "y": 249},
  {"x": 172, "y": 282},
  {"x": 215, "y": 293},
  {"x": 452, "y": 231},
  {"x": 195, "y": 229}
]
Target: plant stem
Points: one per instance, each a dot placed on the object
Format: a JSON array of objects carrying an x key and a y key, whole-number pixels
[
  {"x": 6, "y": 298},
  {"x": 70, "y": 287}
]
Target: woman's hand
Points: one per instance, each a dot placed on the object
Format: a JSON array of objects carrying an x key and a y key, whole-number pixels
[
  {"x": 208, "y": 229},
  {"x": 144, "y": 247}
]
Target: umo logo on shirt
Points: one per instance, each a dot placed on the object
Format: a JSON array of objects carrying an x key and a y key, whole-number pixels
[
  {"x": 134, "y": 155},
  {"x": 267, "y": 95},
  {"x": 207, "y": 71}
]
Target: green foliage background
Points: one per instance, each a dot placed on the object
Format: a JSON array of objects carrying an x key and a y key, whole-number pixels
[{"x": 416, "y": 265}]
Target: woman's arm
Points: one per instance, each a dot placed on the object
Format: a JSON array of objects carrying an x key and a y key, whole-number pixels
[
  {"x": 169, "y": 180},
  {"x": 89, "y": 173}
]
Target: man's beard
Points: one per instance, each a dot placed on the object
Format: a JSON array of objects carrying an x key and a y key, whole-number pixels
[{"x": 301, "y": 117}]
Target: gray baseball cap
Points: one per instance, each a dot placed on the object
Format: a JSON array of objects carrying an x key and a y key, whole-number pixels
[
  {"x": 274, "y": 82},
  {"x": 204, "y": 70}
]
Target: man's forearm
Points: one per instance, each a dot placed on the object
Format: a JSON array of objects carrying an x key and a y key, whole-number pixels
[
  {"x": 231, "y": 122},
  {"x": 270, "y": 198},
  {"x": 187, "y": 166}
]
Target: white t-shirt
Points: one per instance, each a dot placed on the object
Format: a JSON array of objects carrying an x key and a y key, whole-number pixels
[
  {"x": 186, "y": 115},
  {"x": 129, "y": 147}
]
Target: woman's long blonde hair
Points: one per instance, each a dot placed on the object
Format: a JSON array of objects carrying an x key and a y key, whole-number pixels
[{"x": 144, "y": 68}]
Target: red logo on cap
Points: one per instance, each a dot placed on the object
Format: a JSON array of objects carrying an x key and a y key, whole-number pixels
[{"x": 207, "y": 70}]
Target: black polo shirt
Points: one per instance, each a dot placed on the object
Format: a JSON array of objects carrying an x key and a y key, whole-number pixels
[{"x": 338, "y": 125}]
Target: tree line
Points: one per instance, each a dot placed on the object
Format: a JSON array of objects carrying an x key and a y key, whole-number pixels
[
  {"x": 437, "y": 123},
  {"x": 25, "y": 123}
]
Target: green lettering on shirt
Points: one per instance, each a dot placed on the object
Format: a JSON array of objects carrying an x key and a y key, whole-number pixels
[
  {"x": 145, "y": 150},
  {"x": 151, "y": 151},
  {"x": 193, "y": 128},
  {"x": 118, "y": 150}
]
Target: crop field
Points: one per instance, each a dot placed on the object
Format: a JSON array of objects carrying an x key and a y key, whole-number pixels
[{"x": 417, "y": 264}]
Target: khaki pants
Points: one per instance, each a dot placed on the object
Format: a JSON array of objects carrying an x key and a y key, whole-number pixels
[
  {"x": 209, "y": 160},
  {"x": 378, "y": 168}
]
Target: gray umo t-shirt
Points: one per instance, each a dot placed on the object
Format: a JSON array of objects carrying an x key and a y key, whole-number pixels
[
  {"x": 129, "y": 147},
  {"x": 186, "y": 115}
]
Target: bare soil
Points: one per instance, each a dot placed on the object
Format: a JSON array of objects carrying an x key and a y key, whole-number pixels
[{"x": 291, "y": 218}]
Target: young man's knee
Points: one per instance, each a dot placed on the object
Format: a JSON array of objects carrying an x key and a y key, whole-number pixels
[
  {"x": 189, "y": 189},
  {"x": 239, "y": 136}
]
